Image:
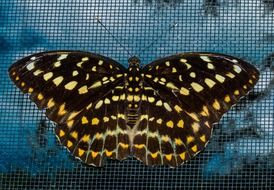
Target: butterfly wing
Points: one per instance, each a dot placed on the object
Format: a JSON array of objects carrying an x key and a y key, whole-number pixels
[
  {"x": 183, "y": 96},
  {"x": 82, "y": 93}
]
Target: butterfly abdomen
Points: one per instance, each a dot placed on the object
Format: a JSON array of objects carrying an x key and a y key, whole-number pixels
[{"x": 133, "y": 95}]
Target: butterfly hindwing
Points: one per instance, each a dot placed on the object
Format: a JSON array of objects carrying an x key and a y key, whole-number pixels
[{"x": 76, "y": 88}]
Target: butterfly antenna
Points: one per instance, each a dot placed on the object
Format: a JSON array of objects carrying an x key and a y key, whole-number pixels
[
  {"x": 114, "y": 37},
  {"x": 164, "y": 33}
]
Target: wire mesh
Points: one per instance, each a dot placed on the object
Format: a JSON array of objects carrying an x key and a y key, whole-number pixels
[{"x": 240, "y": 154}]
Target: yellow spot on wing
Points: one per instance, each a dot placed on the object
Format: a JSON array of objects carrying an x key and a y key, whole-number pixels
[
  {"x": 183, "y": 156},
  {"x": 180, "y": 124},
  {"x": 57, "y": 64},
  {"x": 83, "y": 89},
  {"x": 216, "y": 105},
  {"x": 151, "y": 99},
  {"x": 69, "y": 144},
  {"x": 236, "y": 92},
  {"x": 75, "y": 73},
  {"x": 210, "y": 66},
  {"x": 100, "y": 62},
  {"x": 194, "y": 148},
  {"x": 58, "y": 80},
  {"x": 159, "y": 103},
  {"x": 84, "y": 120},
  {"x": 203, "y": 138},
  {"x": 108, "y": 153},
  {"x": 205, "y": 111},
  {"x": 95, "y": 121},
  {"x": 94, "y": 154},
  {"x": 70, "y": 123},
  {"x": 50, "y": 103},
  {"x": 171, "y": 86},
  {"x": 230, "y": 75},
  {"x": 99, "y": 104},
  {"x": 159, "y": 121},
  {"x": 154, "y": 155},
  {"x": 62, "y": 110},
  {"x": 136, "y": 98},
  {"x": 105, "y": 119},
  {"x": 107, "y": 101},
  {"x": 80, "y": 152},
  {"x": 61, "y": 133},
  {"x": 30, "y": 90},
  {"x": 40, "y": 96},
  {"x": 98, "y": 136},
  {"x": 189, "y": 139},
  {"x": 220, "y": 78},
  {"x": 47, "y": 76},
  {"x": 227, "y": 98},
  {"x": 192, "y": 74},
  {"x": 178, "y": 108},
  {"x": 37, "y": 72},
  {"x": 71, "y": 85},
  {"x": 115, "y": 98},
  {"x": 85, "y": 59},
  {"x": 123, "y": 145},
  {"x": 170, "y": 124},
  {"x": 72, "y": 115},
  {"x": 184, "y": 91},
  {"x": 139, "y": 146},
  {"x": 167, "y": 107},
  {"x": 174, "y": 70},
  {"x": 168, "y": 156},
  {"x": 85, "y": 138},
  {"x": 195, "y": 126},
  {"x": 193, "y": 116},
  {"x": 74, "y": 135},
  {"x": 96, "y": 84},
  {"x": 210, "y": 83},
  {"x": 178, "y": 141},
  {"x": 165, "y": 138},
  {"x": 197, "y": 87}
]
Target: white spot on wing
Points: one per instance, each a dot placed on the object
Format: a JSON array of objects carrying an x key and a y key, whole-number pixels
[
  {"x": 205, "y": 58},
  {"x": 31, "y": 66},
  {"x": 237, "y": 69},
  {"x": 63, "y": 56}
]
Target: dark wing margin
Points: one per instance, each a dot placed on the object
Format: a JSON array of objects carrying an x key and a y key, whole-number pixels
[
  {"x": 191, "y": 92},
  {"x": 82, "y": 93}
]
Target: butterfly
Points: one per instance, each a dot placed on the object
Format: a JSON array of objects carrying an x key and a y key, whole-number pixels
[{"x": 161, "y": 114}]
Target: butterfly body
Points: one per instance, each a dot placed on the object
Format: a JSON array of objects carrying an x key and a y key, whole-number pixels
[{"x": 162, "y": 113}]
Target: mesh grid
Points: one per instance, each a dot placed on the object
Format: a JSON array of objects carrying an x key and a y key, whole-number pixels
[{"x": 240, "y": 154}]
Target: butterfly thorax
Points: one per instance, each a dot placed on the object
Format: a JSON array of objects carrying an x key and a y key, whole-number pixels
[{"x": 133, "y": 91}]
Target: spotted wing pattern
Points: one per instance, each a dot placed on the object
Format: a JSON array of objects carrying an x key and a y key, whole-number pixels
[
  {"x": 183, "y": 96},
  {"x": 83, "y": 94}
]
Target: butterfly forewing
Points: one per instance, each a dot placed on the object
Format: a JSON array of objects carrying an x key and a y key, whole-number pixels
[
  {"x": 77, "y": 89},
  {"x": 192, "y": 91}
]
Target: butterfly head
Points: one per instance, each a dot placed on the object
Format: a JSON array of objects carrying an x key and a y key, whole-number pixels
[{"x": 134, "y": 61}]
